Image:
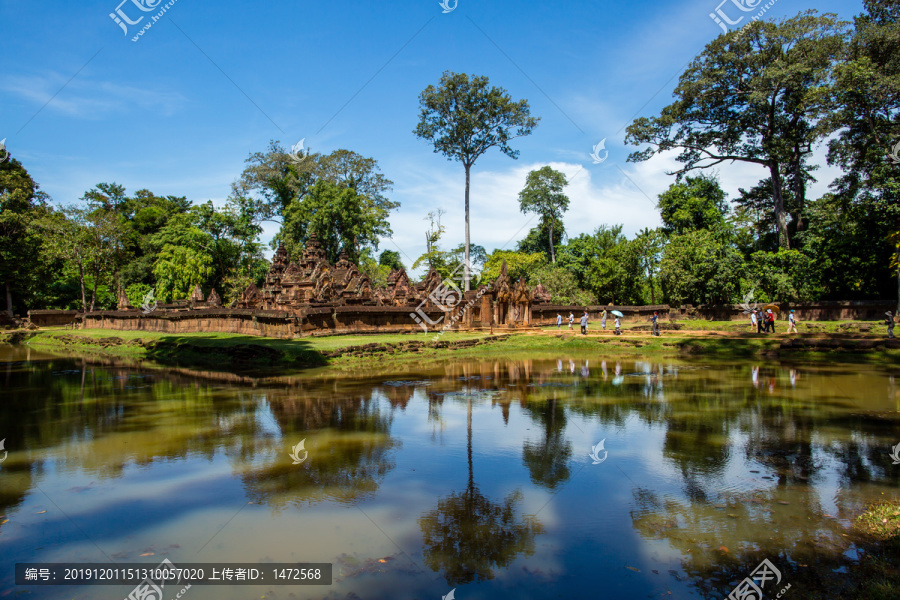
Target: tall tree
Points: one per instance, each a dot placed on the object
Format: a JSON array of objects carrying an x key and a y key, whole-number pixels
[
  {"x": 867, "y": 97},
  {"x": 464, "y": 118},
  {"x": 759, "y": 96},
  {"x": 543, "y": 195},
  {"x": 20, "y": 199}
]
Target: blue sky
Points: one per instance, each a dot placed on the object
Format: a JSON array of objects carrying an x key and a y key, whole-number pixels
[{"x": 178, "y": 111}]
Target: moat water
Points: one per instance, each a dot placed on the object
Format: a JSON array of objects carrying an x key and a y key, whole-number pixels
[{"x": 571, "y": 477}]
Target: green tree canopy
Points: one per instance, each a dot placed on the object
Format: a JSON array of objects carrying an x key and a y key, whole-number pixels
[
  {"x": 341, "y": 218},
  {"x": 518, "y": 264},
  {"x": 538, "y": 238},
  {"x": 391, "y": 260},
  {"x": 694, "y": 203},
  {"x": 274, "y": 179},
  {"x": 699, "y": 267}
]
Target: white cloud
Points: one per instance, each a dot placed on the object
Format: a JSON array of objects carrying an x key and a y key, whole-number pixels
[
  {"x": 606, "y": 194},
  {"x": 82, "y": 97}
]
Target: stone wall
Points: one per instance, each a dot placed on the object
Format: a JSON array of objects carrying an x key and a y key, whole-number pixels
[
  {"x": 52, "y": 318},
  {"x": 245, "y": 322},
  {"x": 276, "y": 324}
]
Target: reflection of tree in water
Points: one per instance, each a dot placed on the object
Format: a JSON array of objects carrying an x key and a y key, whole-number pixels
[
  {"x": 721, "y": 544},
  {"x": 105, "y": 417},
  {"x": 548, "y": 460},
  {"x": 468, "y": 536},
  {"x": 724, "y": 532},
  {"x": 349, "y": 447}
]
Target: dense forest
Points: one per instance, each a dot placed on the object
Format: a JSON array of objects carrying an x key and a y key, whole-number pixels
[{"x": 768, "y": 94}]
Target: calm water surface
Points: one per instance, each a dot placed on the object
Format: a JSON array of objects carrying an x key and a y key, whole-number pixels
[{"x": 473, "y": 475}]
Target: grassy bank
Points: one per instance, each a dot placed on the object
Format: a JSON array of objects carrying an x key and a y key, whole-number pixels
[{"x": 231, "y": 352}]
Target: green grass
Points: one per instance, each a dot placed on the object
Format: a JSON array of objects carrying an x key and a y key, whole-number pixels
[
  {"x": 233, "y": 352},
  {"x": 218, "y": 350}
]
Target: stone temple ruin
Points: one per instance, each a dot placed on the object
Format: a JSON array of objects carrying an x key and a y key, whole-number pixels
[{"x": 311, "y": 296}]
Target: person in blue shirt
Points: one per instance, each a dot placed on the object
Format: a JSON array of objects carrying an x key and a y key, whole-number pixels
[{"x": 792, "y": 322}]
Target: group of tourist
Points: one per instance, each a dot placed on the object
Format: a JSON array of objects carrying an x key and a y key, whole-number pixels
[
  {"x": 764, "y": 322},
  {"x": 618, "y": 324}
]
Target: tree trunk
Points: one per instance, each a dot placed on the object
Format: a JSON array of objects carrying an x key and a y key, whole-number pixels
[
  {"x": 94, "y": 291},
  {"x": 81, "y": 281},
  {"x": 783, "y": 240},
  {"x": 799, "y": 188},
  {"x": 552, "y": 254},
  {"x": 9, "y": 308},
  {"x": 466, "y": 265}
]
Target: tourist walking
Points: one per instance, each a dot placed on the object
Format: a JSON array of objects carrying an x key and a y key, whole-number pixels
[
  {"x": 792, "y": 322},
  {"x": 571, "y": 320},
  {"x": 760, "y": 317},
  {"x": 754, "y": 324},
  {"x": 889, "y": 321},
  {"x": 618, "y": 330},
  {"x": 655, "y": 320},
  {"x": 558, "y": 321},
  {"x": 603, "y": 320},
  {"x": 584, "y": 323},
  {"x": 770, "y": 321}
]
